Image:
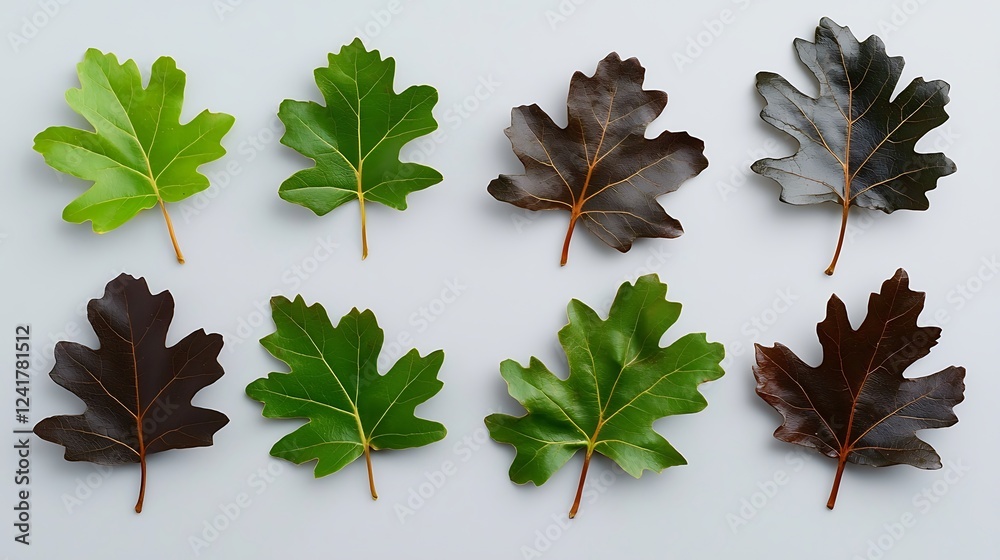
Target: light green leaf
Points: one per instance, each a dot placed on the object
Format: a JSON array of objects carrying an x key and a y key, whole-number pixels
[{"x": 139, "y": 154}]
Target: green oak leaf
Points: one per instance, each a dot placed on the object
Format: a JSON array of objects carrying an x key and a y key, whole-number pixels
[
  {"x": 139, "y": 155},
  {"x": 334, "y": 382},
  {"x": 356, "y": 138},
  {"x": 620, "y": 381}
]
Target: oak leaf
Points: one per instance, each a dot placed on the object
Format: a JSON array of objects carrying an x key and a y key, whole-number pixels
[
  {"x": 621, "y": 380},
  {"x": 334, "y": 382},
  {"x": 856, "y": 406},
  {"x": 856, "y": 142},
  {"x": 139, "y": 154},
  {"x": 601, "y": 168},
  {"x": 355, "y": 139},
  {"x": 137, "y": 390}
]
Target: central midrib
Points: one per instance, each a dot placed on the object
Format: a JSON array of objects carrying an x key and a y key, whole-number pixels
[
  {"x": 578, "y": 205},
  {"x": 850, "y": 130},
  {"x": 848, "y": 445},
  {"x": 322, "y": 357},
  {"x": 135, "y": 134},
  {"x": 135, "y": 373}
]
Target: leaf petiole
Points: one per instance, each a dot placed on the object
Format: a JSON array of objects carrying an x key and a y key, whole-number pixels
[
  {"x": 569, "y": 237},
  {"x": 371, "y": 476},
  {"x": 361, "y": 201},
  {"x": 836, "y": 481},
  {"x": 173, "y": 236},
  {"x": 840, "y": 241},
  {"x": 583, "y": 480},
  {"x": 142, "y": 483}
]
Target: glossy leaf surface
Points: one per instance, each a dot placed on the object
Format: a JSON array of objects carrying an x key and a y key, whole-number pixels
[
  {"x": 621, "y": 380},
  {"x": 601, "y": 168},
  {"x": 857, "y": 406},
  {"x": 856, "y": 141}
]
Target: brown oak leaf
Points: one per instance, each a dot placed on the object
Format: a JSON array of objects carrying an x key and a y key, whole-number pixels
[
  {"x": 856, "y": 406},
  {"x": 601, "y": 168},
  {"x": 137, "y": 390}
]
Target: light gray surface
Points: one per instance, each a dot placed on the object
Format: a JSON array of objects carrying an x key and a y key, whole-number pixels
[{"x": 736, "y": 253}]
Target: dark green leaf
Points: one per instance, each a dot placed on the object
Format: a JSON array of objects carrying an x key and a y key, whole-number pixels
[
  {"x": 334, "y": 383},
  {"x": 356, "y": 137}
]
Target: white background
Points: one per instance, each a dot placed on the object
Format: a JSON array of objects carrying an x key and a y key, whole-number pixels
[{"x": 244, "y": 243}]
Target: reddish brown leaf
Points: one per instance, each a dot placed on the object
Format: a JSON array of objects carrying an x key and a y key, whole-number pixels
[{"x": 857, "y": 406}]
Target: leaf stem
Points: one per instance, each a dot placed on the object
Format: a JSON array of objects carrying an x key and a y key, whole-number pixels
[
  {"x": 840, "y": 242},
  {"x": 371, "y": 476},
  {"x": 173, "y": 236},
  {"x": 836, "y": 481},
  {"x": 364, "y": 228},
  {"x": 579, "y": 489},
  {"x": 569, "y": 235},
  {"x": 142, "y": 483}
]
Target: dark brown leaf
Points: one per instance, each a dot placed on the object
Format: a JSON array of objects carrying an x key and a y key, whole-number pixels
[
  {"x": 138, "y": 392},
  {"x": 857, "y": 406},
  {"x": 601, "y": 167},
  {"x": 856, "y": 143}
]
